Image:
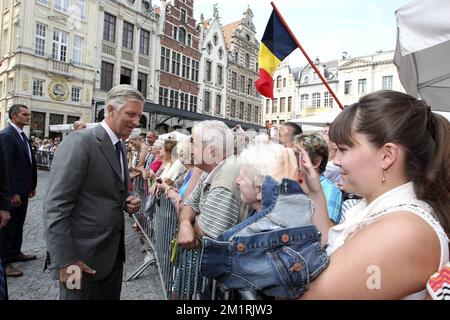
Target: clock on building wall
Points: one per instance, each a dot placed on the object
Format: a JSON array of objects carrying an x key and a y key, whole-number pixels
[{"x": 58, "y": 90}]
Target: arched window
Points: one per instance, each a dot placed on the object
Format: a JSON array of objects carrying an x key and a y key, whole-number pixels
[{"x": 279, "y": 81}]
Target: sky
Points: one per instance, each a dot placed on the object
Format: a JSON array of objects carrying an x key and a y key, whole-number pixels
[{"x": 325, "y": 28}]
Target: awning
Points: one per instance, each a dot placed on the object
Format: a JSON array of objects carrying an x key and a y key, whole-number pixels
[{"x": 194, "y": 116}]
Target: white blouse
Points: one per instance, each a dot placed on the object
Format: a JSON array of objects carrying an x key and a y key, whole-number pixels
[{"x": 402, "y": 198}]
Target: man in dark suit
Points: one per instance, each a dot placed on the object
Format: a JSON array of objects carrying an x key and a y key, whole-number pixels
[
  {"x": 87, "y": 194},
  {"x": 22, "y": 177},
  {"x": 4, "y": 218}
]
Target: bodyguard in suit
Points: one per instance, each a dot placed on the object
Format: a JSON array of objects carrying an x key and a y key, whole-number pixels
[
  {"x": 87, "y": 194},
  {"x": 4, "y": 218},
  {"x": 22, "y": 177}
]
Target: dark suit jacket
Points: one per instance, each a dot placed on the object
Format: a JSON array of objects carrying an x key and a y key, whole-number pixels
[
  {"x": 5, "y": 199},
  {"x": 22, "y": 175},
  {"x": 83, "y": 210}
]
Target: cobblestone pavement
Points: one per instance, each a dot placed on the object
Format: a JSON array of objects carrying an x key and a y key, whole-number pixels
[{"x": 37, "y": 285}]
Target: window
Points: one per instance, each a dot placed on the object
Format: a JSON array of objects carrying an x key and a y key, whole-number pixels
[
  {"x": 249, "y": 87},
  {"x": 274, "y": 105},
  {"x": 362, "y": 86},
  {"x": 106, "y": 81},
  {"x": 78, "y": 44},
  {"x": 316, "y": 100},
  {"x": 289, "y": 104},
  {"x": 184, "y": 101},
  {"x": 284, "y": 82},
  {"x": 142, "y": 84},
  {"x": 80, "y": 9},
  {"x": 256, "y": 114},
  {"x": 194, "y": 73},
  {"x": 327, "y": 100},
  {"x": 268, "y": 105},
  {"x": 219, "y": 79},
  {"x": 72, "y": 119},
  {"x": 176, "y": 63},
  {"x": 234, "y": 80},
  {"x": 144, "y": 47},
  {"x": 193, "y": 104},
  {"x": 282, "y": 104},
  {"x": 242, "y": 84},
  {"x": 207, "y": 101},
  {"x": 183, "y": 15},
  {"x": 165, "y": 59},
  {"x": 41, "y": 33},
  {"x": 348, "y": 87},
  {"x": 247, "y": 61},
  {"x": 241, "y": 110},
  {"x": 304, "y": 100},
  {"x": 233, "y": 108},
  {"x": 182, "y": 35},
  {"x": 218, "y": 109},
  {"x": 38, "y": 125},
  {"x": 109, "y": 28},
  {"x": 189, "y": 40},
  {"x": 163, "y": 96},
  {"x": 128, "y": 30},
  {"x": 279, "y": 79},
  {"x": 249, "y": 113},
  {"x": 125, "y": 76},
  {"x": 45, "y": 2},
  {"x": 174, "y": 98},
  {"x": 186, "y": 69},
  {"x": 60, "y": 45},
  {"x": 38, "y": 88},
  {"x": 387, "y": 83},
  {"x": 208, "y": 71},
  {"x": 62, "y": 5},
  {"x": 175, "y": 33},
  {"x": 76, "y": 94}
]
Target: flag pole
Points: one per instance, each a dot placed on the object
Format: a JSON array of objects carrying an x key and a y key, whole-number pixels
[{"x": 307, "y": 57}]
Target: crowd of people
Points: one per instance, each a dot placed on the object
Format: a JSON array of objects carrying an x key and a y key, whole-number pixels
[{"x": 292, "y": 214}]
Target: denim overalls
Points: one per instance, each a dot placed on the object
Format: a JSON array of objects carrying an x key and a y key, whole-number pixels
[{"x": 277, "y": 250}]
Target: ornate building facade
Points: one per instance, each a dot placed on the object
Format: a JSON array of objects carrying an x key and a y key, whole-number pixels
[
  {"x": 243, "y": 101},
  {"x": 213, "y": 67},
  {"x": 127, "y": 50},
  {"x": 48, "y": 60}
]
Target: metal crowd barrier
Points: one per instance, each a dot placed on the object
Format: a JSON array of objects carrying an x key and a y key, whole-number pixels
[
  {"x": 178, "y": 268},
  {"x": 44, "y": 159}
]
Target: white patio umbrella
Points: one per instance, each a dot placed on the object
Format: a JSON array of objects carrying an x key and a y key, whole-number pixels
[{"x": 422, "y": 55}]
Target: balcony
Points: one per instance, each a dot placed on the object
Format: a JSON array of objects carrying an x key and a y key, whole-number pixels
[
  {"x": 109, "y": 48},
  {"x": 60, "y": 66},
  {"x": 127, "y": 55}
]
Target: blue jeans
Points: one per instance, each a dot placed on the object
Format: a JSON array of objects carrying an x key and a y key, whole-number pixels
[
  {"x": 277, "y": 250},
  {"x": 280, "y": 263}
]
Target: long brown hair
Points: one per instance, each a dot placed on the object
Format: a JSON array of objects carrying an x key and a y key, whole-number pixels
[{"x": 390, "y": 116}]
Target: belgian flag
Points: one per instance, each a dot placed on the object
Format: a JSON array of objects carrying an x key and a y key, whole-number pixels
[{"x": 276, "y": 44}]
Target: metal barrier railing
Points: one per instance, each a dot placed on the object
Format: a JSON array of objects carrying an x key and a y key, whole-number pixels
[
  {"x": 178, "y": 268},
  {"x": 44, "y": 159}
]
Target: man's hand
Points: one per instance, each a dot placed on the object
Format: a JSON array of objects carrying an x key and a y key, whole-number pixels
[
  {"x": 15, "y": 201},
  {"x": 133, "y": 204},
  {"x": 72, "y": 276},
  {"x": 32, "y": 194},
  {"x": 4, "y": 218},
  {"x": 186, "y": 236}
]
